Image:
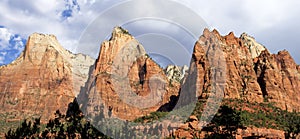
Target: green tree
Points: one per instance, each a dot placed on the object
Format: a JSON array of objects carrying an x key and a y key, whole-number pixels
[
  {"x": 71, "y": 125},
  {"x": 228, "y": 117},
  {"x": 291, "y": 124},
  {"x": 26, "y": 130}
]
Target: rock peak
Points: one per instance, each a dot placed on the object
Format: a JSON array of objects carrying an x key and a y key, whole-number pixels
[
  {"x": 284, "y": 52},
  {"x": 216, "y": 31},
  {"x": 40, "y": 42},
  {"x": 125, "y": 58},
  {"x": 231, "y": 35},
  {"x": 119, "y": 32},
  {"x": 44, "y": 71},
  {"x": 119, "y": 29},
  {"x": 206, "y": 32},
  {"x": 254, "y": 47},
  {"x": 244, "y": 34}
]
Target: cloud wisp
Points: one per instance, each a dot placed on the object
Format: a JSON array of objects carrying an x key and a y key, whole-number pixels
[
  {"x": 272, "y": 22},
  {"x": 11, "y": 45}
]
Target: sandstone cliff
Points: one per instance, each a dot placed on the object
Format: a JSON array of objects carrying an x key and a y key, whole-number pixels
[
  {"x": 250, "y": 72},
  {"x": 191, "y": 130},
  {"x": 239, "y": 68},
  {"x": 125, "y": 82},
  {"x": 278, "y": 76},
  {"x": 176, "y": 73},
  {"x": 43, "y": 79}
]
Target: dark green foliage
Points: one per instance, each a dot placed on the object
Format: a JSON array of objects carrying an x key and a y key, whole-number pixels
[
  {"x": 151, "y": 117},
  {"x": 257, "y": 114},
  {"x": 71, "y": 125},
  {"x": 269, "y": 116},
  {"x": 228, "y": 117},
  {"x": 26, "y": 130},
  {"x": 233, "y": 114},
  {"x": 291, "y": 123}
]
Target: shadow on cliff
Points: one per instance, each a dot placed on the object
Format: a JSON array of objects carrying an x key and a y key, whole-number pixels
[
  {"x": 170, "y": 105},
  {"x": 82, "y": 97}
]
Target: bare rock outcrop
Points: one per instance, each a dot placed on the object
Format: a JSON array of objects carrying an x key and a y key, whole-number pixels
[
  {"x": 125, "y": 81},
  {"x": 228, "y": 58},
  {"x": 176, "y": 73},
  {"x": 254, "y": 47},
  {"x": 190, "y": 130},
  {"x": 41, "y": 80},
  {"x": 259, "y": 133},
  {"x": 252, "y": 73},
  {"x": 279, "y": 79}
]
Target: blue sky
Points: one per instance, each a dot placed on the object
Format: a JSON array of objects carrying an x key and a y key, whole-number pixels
[
  {"x": 10, "y": 45},
  {"x": 274, "y": 23}
]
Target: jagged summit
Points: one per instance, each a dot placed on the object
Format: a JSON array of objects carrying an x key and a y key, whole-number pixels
[
  {"x": 244, "y": 40},
  {"x": 252, "y": 72},
  {"x": 254, "y": 47},
  {"x": 118, "y": 32}
]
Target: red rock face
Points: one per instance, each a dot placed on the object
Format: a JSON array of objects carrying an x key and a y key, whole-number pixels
[
  {"x": 252, "y": 73},
  {"x": 39, "y": 82},
  {"x": 231, "y": 62},
  {"x": 125, "y": 81},
  {"x": 279, "y": 79},
  {"x": 249, "y": 72},
  {"x": 191, "y": 130}
]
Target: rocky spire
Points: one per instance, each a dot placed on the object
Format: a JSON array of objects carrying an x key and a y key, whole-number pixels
[
  {"x": 254, "y": 47},
  {"x": 124, "y": 58},
  {"x": 252, "y": 73},
  {"x": 120, "y": 32}
]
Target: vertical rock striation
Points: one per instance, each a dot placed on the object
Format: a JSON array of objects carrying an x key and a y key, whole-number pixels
[
  {"x": 125, "y": 82},
  {"x": 40, "y": 81},
  {"x": 252, "y": 73}
]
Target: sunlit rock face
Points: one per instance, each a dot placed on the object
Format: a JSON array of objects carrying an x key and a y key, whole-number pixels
[
  {"x": 254, "y": 47},
  {"x": 125, "y": 81},
  {"x": 252, "y": 73},
  {"x": 42, "y": 79}
]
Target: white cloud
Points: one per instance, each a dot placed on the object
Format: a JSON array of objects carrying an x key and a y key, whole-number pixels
[
  {"x": 19, "y": 44},
  {"x": 4, "y": 38},
  {"x": 243, "y": 15},
  {"x": 253, "y": 16},
  {"x": 2, "y": 57},
  {"x": 3, "y": 53},
  {"x": 1, "y": 60},
  {"x": 273, "y": 23},
  {"x": 11, "y": 45}
]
